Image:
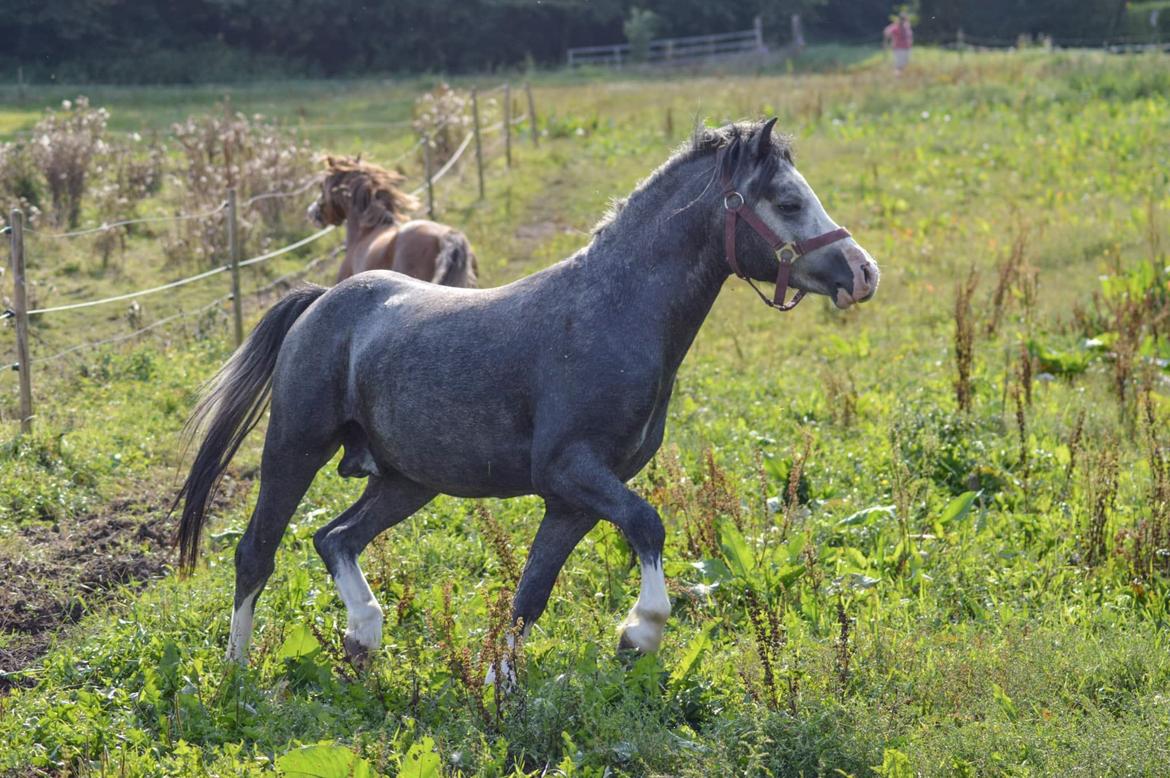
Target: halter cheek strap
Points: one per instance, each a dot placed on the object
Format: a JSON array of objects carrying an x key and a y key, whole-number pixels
[{"x": 787, "y": 252}]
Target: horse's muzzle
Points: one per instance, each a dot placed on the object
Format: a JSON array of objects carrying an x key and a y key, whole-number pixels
[{"x": 865, "y": 278}]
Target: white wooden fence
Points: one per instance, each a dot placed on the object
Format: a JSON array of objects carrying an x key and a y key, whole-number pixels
[{"x": 668, "y": 51}]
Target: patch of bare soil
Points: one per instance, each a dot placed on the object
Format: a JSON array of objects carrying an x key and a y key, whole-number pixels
[{"x": 60, "y": 573}]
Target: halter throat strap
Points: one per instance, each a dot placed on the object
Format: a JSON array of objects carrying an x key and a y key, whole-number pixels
[{"x": 735, "y": 207}]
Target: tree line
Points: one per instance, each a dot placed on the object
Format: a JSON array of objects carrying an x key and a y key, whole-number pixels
[{"x": 150, "y": 41}]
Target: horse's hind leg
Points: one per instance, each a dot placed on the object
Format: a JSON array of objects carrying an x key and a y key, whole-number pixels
[
  {"x": 285, "y": 475},
  {"x": 385, "y": 502}
]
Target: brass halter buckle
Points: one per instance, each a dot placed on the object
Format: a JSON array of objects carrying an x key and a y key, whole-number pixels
[{"x": 787, "y": 253}]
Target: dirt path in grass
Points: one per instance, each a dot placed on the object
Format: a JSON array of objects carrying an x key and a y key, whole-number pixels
[{"x": 54, "y": 575}]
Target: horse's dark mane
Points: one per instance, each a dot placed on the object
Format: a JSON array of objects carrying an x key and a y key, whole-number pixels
[
  {"x": 373, "y": 191},
  {"x": 706, "y": 142}
]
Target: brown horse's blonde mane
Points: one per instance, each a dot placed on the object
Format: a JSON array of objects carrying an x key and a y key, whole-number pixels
[{"x": 372, "y": 192}]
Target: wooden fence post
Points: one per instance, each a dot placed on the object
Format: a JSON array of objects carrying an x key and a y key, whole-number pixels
[
  {"x": 20, "y": 311},
  {"x": 430, "y": 184},
  {"x": 531, "y": 113},
  {"x": 234, "y": 257},
  {"x": 508, "y": 124},
  {"x": 478, "y": 144}
]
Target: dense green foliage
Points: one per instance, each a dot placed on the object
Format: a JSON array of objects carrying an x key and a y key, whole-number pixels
[
  {"x": 211, "y": 40},
  {"x": 150, "y": 41},
  {"x": 866, "y": 581},
  {"x": 1074, "y": 21}
]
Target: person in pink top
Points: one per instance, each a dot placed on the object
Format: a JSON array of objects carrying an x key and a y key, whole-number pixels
[{"x": 900, "y": 37}]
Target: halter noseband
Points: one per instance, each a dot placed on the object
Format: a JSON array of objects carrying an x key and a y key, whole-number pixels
[{"x": 787, "y": 251}]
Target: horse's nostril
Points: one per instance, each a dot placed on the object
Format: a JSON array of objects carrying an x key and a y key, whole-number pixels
[{"x": 867, "y": 274}]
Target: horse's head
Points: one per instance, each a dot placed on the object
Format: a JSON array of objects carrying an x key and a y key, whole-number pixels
[
  {"x": 332, "y": 203},
  {"x": 353, "y": 186},
  {"x": 771, "y": 216}
]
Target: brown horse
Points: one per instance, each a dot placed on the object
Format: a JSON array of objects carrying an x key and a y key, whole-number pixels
[{"x": 380, "y": 235}]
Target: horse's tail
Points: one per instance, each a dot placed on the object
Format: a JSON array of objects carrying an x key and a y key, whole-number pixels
[
  {"x": 455, "y": 264},
  {"x": 230, "y": 406}
]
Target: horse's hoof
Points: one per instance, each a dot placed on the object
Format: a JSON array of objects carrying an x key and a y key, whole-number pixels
[
  {"x": 358, "y": 655},
  {"x": 640, "y": 635},
  {"x": 234, "y": 656},
  {"x": 625, "y": 645}
]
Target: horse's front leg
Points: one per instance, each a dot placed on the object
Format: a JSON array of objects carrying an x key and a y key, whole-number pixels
[
  {"x": 580, "y": 478},
  {"x": 560, "y": 531}
]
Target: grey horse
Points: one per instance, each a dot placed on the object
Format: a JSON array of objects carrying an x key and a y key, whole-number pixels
[{"x": 555, "y": 385}]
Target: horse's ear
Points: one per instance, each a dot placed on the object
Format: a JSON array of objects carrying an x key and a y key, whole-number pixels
[
  {"x": 764, "y": 138},
  {"x": 732, "y": 157}
]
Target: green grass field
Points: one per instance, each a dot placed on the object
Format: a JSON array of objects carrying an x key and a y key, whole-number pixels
[{"x": 866, "y": 579}]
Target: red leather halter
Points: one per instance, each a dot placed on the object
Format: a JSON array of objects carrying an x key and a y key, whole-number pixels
[{"x": 787, "y": 252}]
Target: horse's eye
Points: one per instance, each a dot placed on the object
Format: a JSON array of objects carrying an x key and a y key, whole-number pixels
[{"x": 789, "y": 207}]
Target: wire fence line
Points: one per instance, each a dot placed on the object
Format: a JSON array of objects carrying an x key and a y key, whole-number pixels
[
  {"x": 295, "y": 275},
  {"x": 111, "y": 225},
  {"x": 300, "y": 189},
  {"x": 130, "y": 335},
  {"x": 446, "y": 167},
  {"x": 370, "y": 125},
  {"x": 500, "y": 124},
  {"x": 216, "y": 303},
  {"x": 438, "y": 175},
  {"x": 286, "y": 278},
  {"x": 129, "y": 295},
  {"x": 355, "y": 125},
  {"x": 183, "y": 281},
  {"x": 290, "y": 247},
  {"x": 442, "y": 123},
  {"x": 413, "y": 148},
  {"x": 309, "y": 183}
]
